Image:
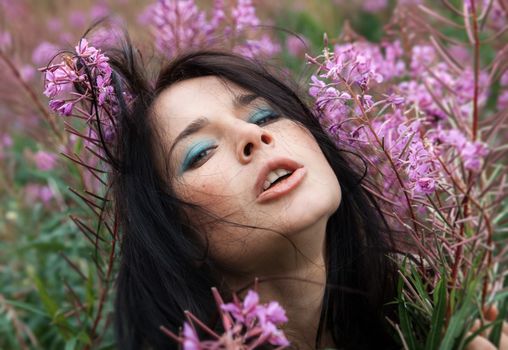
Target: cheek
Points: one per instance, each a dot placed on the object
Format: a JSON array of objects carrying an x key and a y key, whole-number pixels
[
  {"x": 213, "y": 187},
  {"x": 294, "y": 138},
  {"x": 199, "y": 190}
]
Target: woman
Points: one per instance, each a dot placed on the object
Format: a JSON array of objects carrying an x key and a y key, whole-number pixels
[{"x": 224, "y": 175}]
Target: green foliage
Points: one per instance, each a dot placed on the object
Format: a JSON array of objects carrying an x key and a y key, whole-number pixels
[
  {"x": 425, "y": 321},
  {"x": 39, "y": 289}
]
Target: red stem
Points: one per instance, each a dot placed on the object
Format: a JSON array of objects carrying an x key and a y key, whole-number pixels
[
  {"x": 105, "y": 289},
  {"x": 475, "y": 130},
  {"x": 476, "y": 69}
]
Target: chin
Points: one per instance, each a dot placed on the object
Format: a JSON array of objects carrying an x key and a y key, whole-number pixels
[{"x": 311, "y": 207}]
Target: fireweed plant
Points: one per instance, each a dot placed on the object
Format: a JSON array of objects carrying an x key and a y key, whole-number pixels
[
  {"x": 428, "y": 113},
  {"x": 180, "y": 25}
]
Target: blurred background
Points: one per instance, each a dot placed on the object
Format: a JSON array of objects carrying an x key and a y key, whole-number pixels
[{"x": 55, "y": 286}]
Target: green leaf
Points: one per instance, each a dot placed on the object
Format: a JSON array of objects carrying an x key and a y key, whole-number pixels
[
  {"x": 405, "y": 323},
  {"x": 51, "y": 307},
  {"x": 495, "y": 335},
  {"x": 112, "y": 346},
  {"x": 456, "y": 327},
  {"x": 71, "y": 344},
  {"x": 438, "y": 316},
  {"x": 49, "y": 304},
  {"x": 27, "y": 307},
  {"x": 84, "y": 337},
  {"x": 420, "y": 287},
  {"x": 90, "y": 296}
]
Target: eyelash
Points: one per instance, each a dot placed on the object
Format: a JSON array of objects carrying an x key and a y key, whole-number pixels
[
  {"x": 193, "y": 162},
  {"x": 267, "y": 119}
]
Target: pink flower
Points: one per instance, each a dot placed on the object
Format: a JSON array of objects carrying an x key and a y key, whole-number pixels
[
  {"x": 262, "y": 47},
  {"x": 77, "y": 19},
  {"x": 104, "y": 89},
  {"x": 472, "y": 154},
  {"x": 66, "y": 109},
  {"x": 5, "y": 41},
  {"x": 27, "y": 72},
  {"x": 316, "y": 86},
  {"x": 273, "y": 313},
  {"x": 453, "y": 137},
  {"x": 37, "y": 193},
  {"x": 374, "y": 5},
  {"x": 191, "y": 340},
  {"x": 181, "y": 25},
  {"x": 244, "y": 15},
  {"x": 177, "y": 25},
  {"x": 395, "y": 101},
  {"x": 218, "y": 17},
  {"x": 357, "y": 63},
  {"x": 6, "y": 141},
  {"x": 45, "y": 194},
  {"x": 245, "y": 312},
  {"x": 504, "y": 79},
  {"x": 103, "y": 37},
  {"x": 297, "y": 45},
  {"x": 43, "y": 53},
  {"x": 247, "y": 325},
  {"x": 84, "y": 50},
  {"x": 61, "y": 107},
  {"x": 275, "y": 336},
  {"x": 502, "y": 101},
  {"x": 58, "y": 81},
  {"x": 99, "y": 11},
  {"x": 422, "y": 58},
  {"x": 54, "y": 24},
  {"x": 45, "y": 161},
  {"x": 425, "y": 185}
]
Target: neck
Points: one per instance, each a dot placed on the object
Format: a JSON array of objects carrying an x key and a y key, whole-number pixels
[{"x": 296, "y": 279}]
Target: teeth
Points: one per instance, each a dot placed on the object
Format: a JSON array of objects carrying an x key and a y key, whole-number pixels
[
  {"x": 273, "y": 176},
  {"x": 280, "y": 172}
]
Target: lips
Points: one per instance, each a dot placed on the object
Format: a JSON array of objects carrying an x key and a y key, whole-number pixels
[{"x": 279, "y": 187}]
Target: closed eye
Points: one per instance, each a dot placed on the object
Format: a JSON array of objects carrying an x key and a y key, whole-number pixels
[{"x": 264, "y": 116}]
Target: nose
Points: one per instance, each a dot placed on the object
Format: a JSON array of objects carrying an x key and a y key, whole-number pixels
[{"x": 251, "y": 138}]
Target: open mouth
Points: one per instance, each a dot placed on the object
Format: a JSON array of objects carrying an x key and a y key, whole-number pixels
[
  {"x": 280, "y": 182},
  {"x": 276, "y": 176}
]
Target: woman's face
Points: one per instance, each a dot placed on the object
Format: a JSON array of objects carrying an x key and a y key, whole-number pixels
[{"x": 233, "y": 155}]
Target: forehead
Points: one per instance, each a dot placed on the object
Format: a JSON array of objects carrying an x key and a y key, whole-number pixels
[
  {"x": 191, "y": 94},
  {"x": 181, "y": 103}
]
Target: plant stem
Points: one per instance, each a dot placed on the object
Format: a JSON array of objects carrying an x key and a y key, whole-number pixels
[
  {"x": 476, "y": 48},
  {"x": 49, "y": 118},
  {"x": 105, "y": 289}
]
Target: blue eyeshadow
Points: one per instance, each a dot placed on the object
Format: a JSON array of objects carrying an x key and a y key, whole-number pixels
[
  {"x": 194, "y": 151},
  {"x": 260, "y": 113}
]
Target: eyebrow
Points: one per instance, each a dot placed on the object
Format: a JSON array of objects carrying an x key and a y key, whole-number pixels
[
  {"x": 244, "y": 100},
  {"x": 196, "y": 125}
]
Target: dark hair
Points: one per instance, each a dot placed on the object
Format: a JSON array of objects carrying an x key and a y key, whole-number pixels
[{"x": 159, "y": 276}]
